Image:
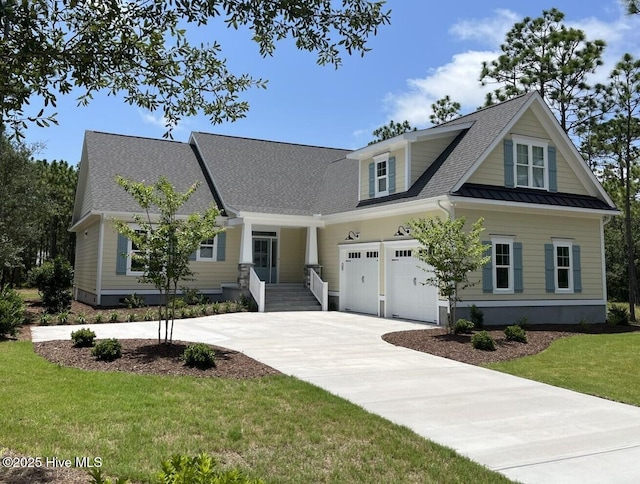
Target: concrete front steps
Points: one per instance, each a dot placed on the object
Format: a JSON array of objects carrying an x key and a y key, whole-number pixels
[{"x": 289, "y": 297}]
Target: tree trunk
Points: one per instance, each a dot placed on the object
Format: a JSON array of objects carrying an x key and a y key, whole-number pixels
[{"x": 630, "y": 250}]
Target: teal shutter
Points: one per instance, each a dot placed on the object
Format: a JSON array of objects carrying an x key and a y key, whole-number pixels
[
  {"x": 121, "y": 255},
  {"x": 577, "y": 270},
  {"x": 553, "y": 169},
  {"x": 391, "y": 165},
  {"x": 549, "y": 268},
  {"x": 222, "y": 245},
  {"x": 487, "y": 270},
  {"x": 372, "y": 180},
  {"x": 518, "y": 282},
  {"x": 508, "y": 164}
]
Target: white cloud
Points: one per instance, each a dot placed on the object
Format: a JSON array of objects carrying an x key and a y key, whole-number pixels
[
  {"x": 489, "y": 31},
  {"x": 156, "y": 120},
  {"x": 458, "y": 79}
]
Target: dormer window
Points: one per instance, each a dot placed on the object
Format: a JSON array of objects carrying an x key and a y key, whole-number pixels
[
  {"x": 530, "y": 162},
  {"x": 381, "y": 175}
]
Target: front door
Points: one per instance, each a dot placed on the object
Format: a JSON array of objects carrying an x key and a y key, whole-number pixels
[{"x": 265, "y": 257}]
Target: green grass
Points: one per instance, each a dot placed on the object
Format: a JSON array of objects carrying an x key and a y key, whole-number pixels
[
  {"x": 277, "y": 428},
  {"x": 29, "y": 294},
  {"x": 605, "y": 365}
]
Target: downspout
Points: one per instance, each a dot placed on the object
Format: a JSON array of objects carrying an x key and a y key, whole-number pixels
[
  {"x": 449, "y": 212},
  {"x": 100, "y": 259},
  {"x": 604, "y": 221}
]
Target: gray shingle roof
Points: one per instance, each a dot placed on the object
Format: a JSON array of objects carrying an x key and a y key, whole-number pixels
[
  {"x": 267, "y": 176},
  {"x": 140, "y": 159}
]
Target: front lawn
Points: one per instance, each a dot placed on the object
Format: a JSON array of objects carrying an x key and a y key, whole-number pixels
[
  {"x": 276, "y": 428},
  {"x": 605, "y": 365}
]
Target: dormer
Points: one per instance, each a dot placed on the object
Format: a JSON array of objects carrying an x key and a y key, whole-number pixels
[{"x": 392, "y": 166}]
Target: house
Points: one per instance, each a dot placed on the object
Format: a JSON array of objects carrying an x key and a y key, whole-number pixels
[{"x": 292, "y": 210}]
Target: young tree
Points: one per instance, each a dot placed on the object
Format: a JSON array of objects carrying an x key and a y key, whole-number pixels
[
  {"x": 143, "y": 51},
  {"x": 164, "y": 240},
  {"x": 444, "y": 110},
  {"x": 453, "y": 254},
  {"x": 543, "y": 54},
  {"x": 390, "y": 130}
]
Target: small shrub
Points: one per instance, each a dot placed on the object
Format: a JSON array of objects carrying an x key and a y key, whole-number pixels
[
  {"x": 215, "y": 308},
  {"x": 134, "y": 301},
  {"x": 193, "y": 296},
  {"x": 131, "y": 317},
  {"x": 97, "y": 318},
  {"x": 107, "y": 350},
  {"x": 83, "y": 338},
  {"x": 63, "y": 317},
  {"x": 483, "y": 341},
  {"x": 184, "y": 313},
  {"x": 585, "y": 326},
  {"x": 201, "y": 468},
  {"x": 11, "y": 311},
  {"x": 618, "y": 316},
  {"x": 193, "y": 312},
  {"x": 178, "y": 303},
  {"x": 199, "y": 355},
  {"x": 45, "y": 319},
  {"x": 53, "y": 280},
  {"x": 477, "y": 317},
  {"x": 81, "y": 318},
  {"x": 203, "y": 309},
  {"x": 114, "y": 316},
  {"x": 515, "y": 333},
  {"x": 523, "y": 322},
  {"x": 149, "y": 315},
  {"x": 463, "y": 326},
  {"x": 97, "y": 477}
]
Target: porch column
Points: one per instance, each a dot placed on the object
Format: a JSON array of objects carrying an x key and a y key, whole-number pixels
[
  {"x": 246, "y": 256},
  {"x": 311, "y": 255}
]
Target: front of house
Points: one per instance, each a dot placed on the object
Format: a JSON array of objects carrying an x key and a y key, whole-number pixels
[{"x": 289, "y": 209}]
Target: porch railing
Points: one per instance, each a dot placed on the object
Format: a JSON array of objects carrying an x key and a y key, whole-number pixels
[
  {"x": 319, "y": 289},
  {"x": 256, "y": 287}
]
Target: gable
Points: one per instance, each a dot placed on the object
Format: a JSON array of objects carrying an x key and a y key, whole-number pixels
[
  {"x": 424, "y": 153},
  {"x": 492, "y": 170},
  {"x": 396, "y": 168}
]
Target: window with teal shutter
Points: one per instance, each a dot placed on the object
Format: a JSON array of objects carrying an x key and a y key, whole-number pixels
[
  {"x": 392, "y": 174},
  {"x": 549, "y": 268},
  {"x": 487, "y": 270},
  {"x": 222, "y": 245},
  {"x": 553, "y": 169},
  {"x": 577, "y": 270},
  {"x": 518, "y": 280},
  {"x": 372, "y": 180}
]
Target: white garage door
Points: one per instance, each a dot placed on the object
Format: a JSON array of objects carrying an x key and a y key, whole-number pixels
[
  {"x": 361, "y": 281},
  {"x": 407, "y": 297}
]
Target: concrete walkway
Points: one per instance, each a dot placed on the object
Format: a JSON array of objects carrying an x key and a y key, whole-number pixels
[{"x": 529, "y": 431}]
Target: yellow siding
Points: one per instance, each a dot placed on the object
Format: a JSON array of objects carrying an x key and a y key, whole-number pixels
[
  {"x": 377, "y": 230},
  {"x": 424, "y": 153},
  {"x": 209, "y": 275},
  {"x": 292, "y": 251},
  {"x": 534, "y": 231},
  {"x": 86, "y": 264},
  {"x": 491, "y": 172},
  {"x": 400, "y": 169}
]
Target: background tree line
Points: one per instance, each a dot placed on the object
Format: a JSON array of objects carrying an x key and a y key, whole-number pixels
[{"x": 36, "y": 206}]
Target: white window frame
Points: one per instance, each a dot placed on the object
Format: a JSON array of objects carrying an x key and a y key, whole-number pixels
[
  {"x": 502, "y": 241},
  {"x": 214, "y": 250},
  {"x": 377, "y": 160},
  {"x": 569, "y": 245},
  {"x": 530, "y": 143},
  {"x": 130, "y": 251}
]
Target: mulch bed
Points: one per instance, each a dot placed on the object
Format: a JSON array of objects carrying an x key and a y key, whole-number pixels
[
  {"x": 147, "y": 357},
  {"x": 458, "y": 347}
]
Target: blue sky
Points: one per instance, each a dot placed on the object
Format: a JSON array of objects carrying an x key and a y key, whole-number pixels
[{"x": 425, "y": 54}]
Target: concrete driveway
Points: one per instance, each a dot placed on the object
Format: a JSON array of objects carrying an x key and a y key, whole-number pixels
[{"x": 528, "y": 431}]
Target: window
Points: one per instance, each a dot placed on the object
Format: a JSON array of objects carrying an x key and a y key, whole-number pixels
[
  {"x": 134, "y": 265},
  {"x": 207, "y": 250},
  {"x": 530, "y": 163},
  {"x": 381, "y": 175},
  {"x": 502, "y": 262},
  {"x": 563, "y": 266}
]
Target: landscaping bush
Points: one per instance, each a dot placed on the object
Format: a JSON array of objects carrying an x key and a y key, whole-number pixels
[
  {"x": 53, "y": 280},
  {"x": 483, "y": 341},
  {"x": 193, "y": 296},
  {"x": 199, "y": 355},
  {"x": 523, "y": 322},
  {"x": 83, "y": 338},
  {"x": 107, "y": 350},
  {"x": 515, "y": 333},
  {"x": 62, "y": 317},
  {"x": 618, "y": 316},
  {"x": 202, "y": 468},
  {"x": 463, "y": 326},
  {"x": 134, "y": 301},
  {"x": 477, "y": 317},
  {"x": 11, "y": 311}
]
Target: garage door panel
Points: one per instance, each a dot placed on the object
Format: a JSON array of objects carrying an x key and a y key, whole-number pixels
[
  {"x": 408, "y": 297},
  {"x": 361, "y": 281}
]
